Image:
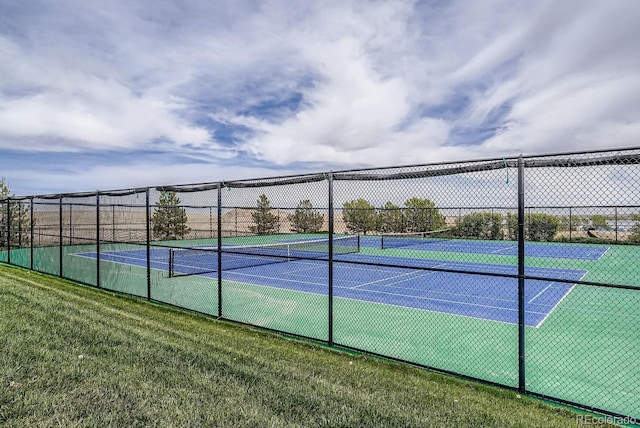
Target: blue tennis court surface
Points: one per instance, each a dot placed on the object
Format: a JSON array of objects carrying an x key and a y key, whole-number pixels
[
  {"x": 506, "y": 248},
  {"x": 476, "y": 296}
]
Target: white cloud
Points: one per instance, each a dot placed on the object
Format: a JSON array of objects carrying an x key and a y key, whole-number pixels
[
  {"x": 378, "y": 83},
  {"x": 128, "y": 173},
  {"x": 73, "y": 110}
]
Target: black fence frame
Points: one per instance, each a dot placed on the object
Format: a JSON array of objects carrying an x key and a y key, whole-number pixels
[{"x": 521, "y": 163}]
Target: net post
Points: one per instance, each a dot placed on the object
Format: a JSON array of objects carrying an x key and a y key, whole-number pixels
[
  {"x": 330, "y": 273},
  {"x": 98, "y": 239},
  {"x": 219, "y": 242},
  {"x": 521, "y": 280},
  {"x": 148, "y": 243}
]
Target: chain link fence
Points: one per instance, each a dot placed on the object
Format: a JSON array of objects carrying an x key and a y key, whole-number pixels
[{"x": 521, "y": 272}]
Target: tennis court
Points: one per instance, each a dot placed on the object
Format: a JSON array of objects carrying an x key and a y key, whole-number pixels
[{"x": 402, "y": 281}]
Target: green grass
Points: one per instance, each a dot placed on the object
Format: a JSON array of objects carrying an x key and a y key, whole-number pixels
[{"x": 75, "y": 356}]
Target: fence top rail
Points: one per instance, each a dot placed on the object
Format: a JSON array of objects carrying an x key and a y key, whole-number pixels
[{"x": 555, "y": 160}]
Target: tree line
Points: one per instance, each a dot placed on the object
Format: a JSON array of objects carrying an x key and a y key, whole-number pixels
[
  {"x": 170, "y": 221},
  {"x": 359, "y": 216},
  {"x": 417, "y": 215}
]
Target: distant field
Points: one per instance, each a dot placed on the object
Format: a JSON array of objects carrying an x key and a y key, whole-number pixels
[{"x": 75, "y": 356}]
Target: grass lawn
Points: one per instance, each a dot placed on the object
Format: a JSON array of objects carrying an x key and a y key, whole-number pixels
[{"x": 75, "y": 356}]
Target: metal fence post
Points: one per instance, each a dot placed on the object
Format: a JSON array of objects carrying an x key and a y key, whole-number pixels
[
  {"x": 71, "y": 224},
  {"x": 31, "y": 224},
  {"x": 60, "y": 252},
  {"x": 220, "y": 250},
  {"x": 9, "y": 230},
  {"x": 616, "y": 222},
  {"x": 330, "y": 274},
  {"x": 148, "y": 233},
  {"x": 521, "y": 281},
  {"x": 98, "y": 239},
  {"x": 19, "y": 224}
]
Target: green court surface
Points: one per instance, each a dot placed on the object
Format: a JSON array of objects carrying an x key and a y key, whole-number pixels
[{"x": 586, "y": 351}]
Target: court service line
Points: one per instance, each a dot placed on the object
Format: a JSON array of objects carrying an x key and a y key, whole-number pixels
[
  {"x": 405, "y": 296},
  {"x": 124, "y": 262},
  {"x": 602, "y": 255},
  {"x": 499, "y": 250},
  {"x": 559, "y": 301},
  {"x": 387, "y": 278},
  {"x": 448, "y": 293},
  {"x": 456, "y": 302},
  {"x": 115, "y": 256},
  {"x": 235, "y": 272},
  {"x": 540, "y": 293},
  {"x": 306, "y": 269}
]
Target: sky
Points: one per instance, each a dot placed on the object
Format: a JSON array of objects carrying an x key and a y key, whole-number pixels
[{"x": 119, "y": 94}]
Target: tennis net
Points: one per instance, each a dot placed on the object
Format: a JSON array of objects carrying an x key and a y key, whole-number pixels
[
  {"x": 203, "y": 260},
  {"x": 395, "y": 240}
]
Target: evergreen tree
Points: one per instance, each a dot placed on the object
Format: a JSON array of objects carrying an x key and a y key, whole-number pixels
[
  {"x": 541, "y": 227},
  {"x": 169, "y": 220},
  {"x": 265, "y": 223},
  {"x": 422, "y": 215},
  {"x": 15, "y": 215},
  {"x": 538, "y": 226},
  {"x": 360, "y": 216},
  {"x": 480, "y": 225},
  {"x": 391, "y": 219},
  {"x": 305, "y": 219}
]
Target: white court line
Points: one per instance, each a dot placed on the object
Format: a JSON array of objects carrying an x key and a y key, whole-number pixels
[
  {"x": 235, "y": 272},
  {"x": 540, "y": 293},
  {"x": 390, "y": 294},
  {"x": 387, "y": 278},
  {"x": 602, "y": 255},
  {"x": 433, "y": 311},
  {"x": 449, "y": 301},
  {"x": 306, "y": 269},
  {"x": 559, "y": 301},
  {"x": 502, "y": 249},
  {"x": 475, "y": 296},
  {"x": 426, "y": 272},
  {"x": 123, "y": 263},
  {"x": 120, "y": 256}
]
